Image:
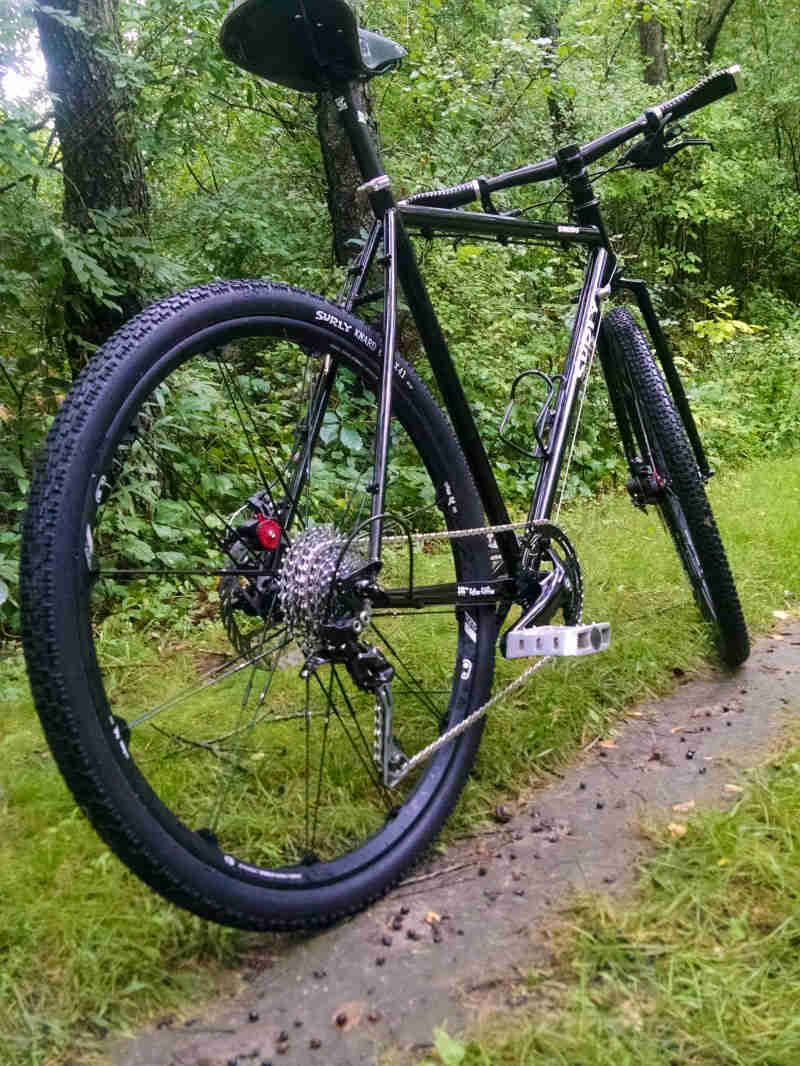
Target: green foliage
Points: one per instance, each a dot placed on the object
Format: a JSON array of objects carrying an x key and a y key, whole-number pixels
[
  {"x": 747, "y": 397},
  {"x": 236, "y": 184},
  {"x": 722, "y": 326}
]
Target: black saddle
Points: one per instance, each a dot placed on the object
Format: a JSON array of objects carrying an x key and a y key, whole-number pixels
[{"x": 304, "y": 44}]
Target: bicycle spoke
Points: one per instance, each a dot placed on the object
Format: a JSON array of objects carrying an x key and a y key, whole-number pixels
[
  {"x": 323, "y": 749},
  {"x": 366, "y": 763},
  {"x": 191, "y": 692},
  {"x": 415, "y": 686},
  {"x": 233, "y": 393}
]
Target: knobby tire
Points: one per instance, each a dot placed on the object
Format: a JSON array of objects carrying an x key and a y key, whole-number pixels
[
  {"x": 179, "y": 719},
  {"x": 655, "y": 432}
]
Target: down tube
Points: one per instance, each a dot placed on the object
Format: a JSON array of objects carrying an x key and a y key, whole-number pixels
[{"x": 577, "y": 364}]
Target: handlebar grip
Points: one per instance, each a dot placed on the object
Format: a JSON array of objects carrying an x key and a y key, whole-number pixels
[
  {"x": 705, "y": 92},
  {"x": 455, "y": 196}
]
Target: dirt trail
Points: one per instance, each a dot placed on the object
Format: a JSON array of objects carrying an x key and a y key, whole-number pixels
[{"x": 385, "y": 979}]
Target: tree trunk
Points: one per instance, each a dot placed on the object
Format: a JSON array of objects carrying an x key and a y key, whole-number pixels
[
  {"x": 709, "y": 26},
  {"x": 349, "y": 213},
  {"x": 544, "y": 18},
  {"x": 101, "y": 163},
  {"x": 651, "y": 43}
]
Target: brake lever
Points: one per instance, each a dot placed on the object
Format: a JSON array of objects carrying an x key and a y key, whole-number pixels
[
  {"x": 688, "y": 142},
  {"x": 657, "y": 148}
]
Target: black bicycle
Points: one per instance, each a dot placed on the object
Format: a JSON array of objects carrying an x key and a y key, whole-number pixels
[{"x": 262, "y": 462}]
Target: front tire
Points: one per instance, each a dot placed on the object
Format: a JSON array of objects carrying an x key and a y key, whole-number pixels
[
  {"x": 658, "y": 452},
  {"x": 169, "y": 680}
]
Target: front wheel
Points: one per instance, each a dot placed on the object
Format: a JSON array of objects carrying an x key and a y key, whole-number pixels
[
  {"x": 664, "y": 472},
  {"x": 185, "y": 548}
]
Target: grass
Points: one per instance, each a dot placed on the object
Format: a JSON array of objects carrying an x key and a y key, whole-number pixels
[
  {"x": 86, "y": 949},
  {"x": 703, "y": 970}
]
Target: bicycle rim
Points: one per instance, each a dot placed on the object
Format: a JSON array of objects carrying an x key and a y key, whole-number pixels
[{"x": 254, "y": 760}]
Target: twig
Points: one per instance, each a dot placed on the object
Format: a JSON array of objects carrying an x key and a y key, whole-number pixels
[{"x": 436, "y": 873}]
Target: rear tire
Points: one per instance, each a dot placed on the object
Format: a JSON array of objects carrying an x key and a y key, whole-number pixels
[
  {"x": 655, "y": 442},
  {"x": 174, "y": 704}
]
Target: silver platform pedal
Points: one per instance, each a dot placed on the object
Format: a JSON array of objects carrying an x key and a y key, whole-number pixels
[{"x": 557, "y": 640}]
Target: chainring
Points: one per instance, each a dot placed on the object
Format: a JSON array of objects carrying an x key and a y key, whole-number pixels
[{"x": 545, "y": 544}]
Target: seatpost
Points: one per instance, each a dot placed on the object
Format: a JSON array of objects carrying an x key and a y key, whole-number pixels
[{"x": 354, "y": 121}]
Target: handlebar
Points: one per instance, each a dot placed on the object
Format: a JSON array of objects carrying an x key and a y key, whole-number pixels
[
  {"x": 705, "y": 92},
  {"x": 712, "y": 88}
]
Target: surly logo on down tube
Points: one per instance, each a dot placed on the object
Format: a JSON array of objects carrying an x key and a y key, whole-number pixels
[{"x": 587, "y": 341}]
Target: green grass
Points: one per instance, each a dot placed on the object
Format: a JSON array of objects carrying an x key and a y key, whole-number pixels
[
  {"x": 85, "y": 948},
  {"x": 702, "y": 970}
]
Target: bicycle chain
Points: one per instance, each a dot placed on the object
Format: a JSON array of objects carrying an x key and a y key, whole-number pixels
[
  {"x": 462, "y": 726},
  {"x": 465, "y": 724},
  {"x": 454, "y": 534}
]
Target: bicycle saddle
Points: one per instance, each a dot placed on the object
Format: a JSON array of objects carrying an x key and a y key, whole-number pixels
[{"x": 304, "y": 44}]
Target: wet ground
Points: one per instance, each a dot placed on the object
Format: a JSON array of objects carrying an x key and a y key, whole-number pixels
[{"x": 457, "y": 937}]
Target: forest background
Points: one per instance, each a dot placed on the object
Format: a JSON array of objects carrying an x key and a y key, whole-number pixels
[{"x": 153, "y": 164}]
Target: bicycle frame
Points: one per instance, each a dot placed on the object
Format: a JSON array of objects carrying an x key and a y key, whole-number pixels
[{"x": 390, "y": 233}]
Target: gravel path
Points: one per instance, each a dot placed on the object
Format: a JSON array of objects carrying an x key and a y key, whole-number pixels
[{"x": 455, "y": 938}]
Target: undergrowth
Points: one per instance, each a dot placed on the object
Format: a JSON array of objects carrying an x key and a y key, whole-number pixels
[{"x": 87, "y": 950}]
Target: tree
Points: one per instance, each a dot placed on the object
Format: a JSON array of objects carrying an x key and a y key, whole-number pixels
[
  {"x": 349, "y": 213},
  {"x": 651, "y": 42},
  {"x": 545, "y": 18},
  {"x": 709, "y": 24},
  {"x": 101, "y": 164}
]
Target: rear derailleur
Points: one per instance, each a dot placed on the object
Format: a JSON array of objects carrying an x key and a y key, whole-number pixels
[{"x": 370, "y": 672}]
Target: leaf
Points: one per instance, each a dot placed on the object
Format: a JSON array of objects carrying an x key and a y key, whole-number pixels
[
  {"x": 173, "y": 559},
  {"x": 136, "y": 548},
  {"x": 350, "y": 439},
  {"x": 450, "y": 1051}
]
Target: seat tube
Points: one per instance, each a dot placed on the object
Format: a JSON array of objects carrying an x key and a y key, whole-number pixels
[{"x": 378, "y": 486}]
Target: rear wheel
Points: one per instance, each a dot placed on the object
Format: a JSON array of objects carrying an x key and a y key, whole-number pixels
[
  {"x": 182, "y": 559},
  {"x": 664, "y": 473}
]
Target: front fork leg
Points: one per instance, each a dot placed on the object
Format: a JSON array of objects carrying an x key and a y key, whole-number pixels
[{"x": 640, "y": 291}]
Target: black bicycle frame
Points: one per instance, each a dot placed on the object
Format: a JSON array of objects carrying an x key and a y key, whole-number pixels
[{"x": 394, "y": 222}]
